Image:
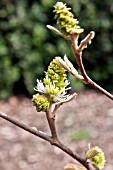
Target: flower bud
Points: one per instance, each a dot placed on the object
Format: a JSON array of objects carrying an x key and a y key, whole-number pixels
[
  {"x": 40, "y": 102},
  {"x": 68, "y": 24},
  {"x": 97, "y": 157},
  {"x": 73, "y": 167}
]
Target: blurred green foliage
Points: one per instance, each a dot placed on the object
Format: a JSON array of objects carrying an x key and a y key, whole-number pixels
[
  {"x": 27, "y": 46},
  {"x": 80, "y": 135}
]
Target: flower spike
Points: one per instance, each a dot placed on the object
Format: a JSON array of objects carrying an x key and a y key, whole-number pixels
[
  {"x": 68, "y": 24},
  {"x": 53, "y": 89},
  {"x": 55, "y": 78}
]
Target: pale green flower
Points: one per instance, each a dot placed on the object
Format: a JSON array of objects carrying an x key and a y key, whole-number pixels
[
  {"x": 55, "y": 80},
  {"x": 53, "y": 88},
  {"x": 41, "y": 102},
  {"x": 56, "y": 75},
  {"x": 68, "y": 24},
  {"x": 96, "y": 155}
]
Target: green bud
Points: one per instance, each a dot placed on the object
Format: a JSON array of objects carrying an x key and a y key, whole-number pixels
[
  {"x": 68, "y": 24},
  {"x": 40, "y": 102},
  {"x": 91, "y": 153},
  {"x": 97, "y": 157}
]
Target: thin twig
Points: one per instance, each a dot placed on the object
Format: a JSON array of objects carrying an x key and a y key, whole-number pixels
[
  {"x": 47, "y": 138},
  {"x": 86, "y": 41},
  {"x": 26, "y": 128},
  {"x": 77, "y": 50}
]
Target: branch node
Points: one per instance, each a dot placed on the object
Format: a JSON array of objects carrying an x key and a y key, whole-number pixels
[{"x": 86, "y": 41}]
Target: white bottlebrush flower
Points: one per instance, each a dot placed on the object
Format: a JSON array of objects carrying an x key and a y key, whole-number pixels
[
  {"x": 63, "y": 97},
  {"x": 40, "y": 87}
]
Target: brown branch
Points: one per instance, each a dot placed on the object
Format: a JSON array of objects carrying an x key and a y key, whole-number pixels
[
  {"x": 50, "y": 114},
  {"x": 73, "y": 155},
  {"x": 44, "y": 136},
  {"x": 77, "y": 50},
  {"x": 26, "y": 128}
]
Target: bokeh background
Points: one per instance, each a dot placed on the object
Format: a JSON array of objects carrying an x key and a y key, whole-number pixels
[
  {"x": 27, "y": 46},
  {"x": 26, "y": 49}
]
